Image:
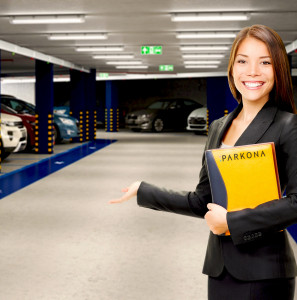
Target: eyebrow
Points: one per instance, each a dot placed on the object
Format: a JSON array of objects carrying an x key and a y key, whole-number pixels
[{"x": 266, "y": 56}]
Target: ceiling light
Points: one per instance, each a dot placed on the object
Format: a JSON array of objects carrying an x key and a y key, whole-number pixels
[
  {"x": 47, "y": 19},
  {"x": 132, "y": 62},
  {"x": 205, "y": 35},
  {"x": 77, "y": 36},
  {"x": 201, "y": 62},
  {"x": 201, "y": 66},
  {"x": 131, "y": 67},
  {"x": 188, "y": 17},
  {"x": 203, "y": 55},
  {"x": 100, "y": 49},
  {"x": 114, "y": 56},
  {"x": 204, "y": 48}
]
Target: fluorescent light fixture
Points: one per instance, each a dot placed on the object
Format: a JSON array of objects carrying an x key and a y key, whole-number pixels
[
  {"x": 201, "y": 62},
  {"x": 204, "y": 48},
  {"x": 131, "y": 67},
  {"x": 47, "y": 19},
  {"x": 203, "y": 55},
  {"x": 100, "y": 49},
  {"x": 190, "y": 17},
  {"x": 201, "y": 66},
  {"x": 78, "y": 36},
  {"x": 114, "y": 56},
  {"x": 31, "y": 79},
  {"x": 62, "y": 79},
  {"x": 205, "y": 35},
  {"x": 132, "y": 62}
]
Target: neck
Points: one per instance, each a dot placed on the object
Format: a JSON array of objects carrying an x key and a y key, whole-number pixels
[{"x": 250, "y": 110}]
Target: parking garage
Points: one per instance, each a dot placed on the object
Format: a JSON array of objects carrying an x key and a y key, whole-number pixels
[{"x": 82, "y": 71}]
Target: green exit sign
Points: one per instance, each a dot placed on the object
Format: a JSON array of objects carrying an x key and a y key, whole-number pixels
[
  {"x": 146, "y": 50},
  {"x": 103, "y": 75},
  {"x": 166, "y": 68}
]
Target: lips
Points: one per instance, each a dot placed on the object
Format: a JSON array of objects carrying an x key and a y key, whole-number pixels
[{"x": 253, "y": 84}]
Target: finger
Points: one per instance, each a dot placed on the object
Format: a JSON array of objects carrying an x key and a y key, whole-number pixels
[
  {"x": 113, "y": 201},
  {"x": 207, "y": 216},
  {"x": 210, "y": 206}
]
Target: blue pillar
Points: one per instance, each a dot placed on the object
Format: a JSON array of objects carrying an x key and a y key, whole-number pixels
[
  {"x": 77, "y": 102},
  {"x": 111, "y": 110},
  {"x": 44, "y": 98},
  {"x": 91, "y": 113},
  {"x": 220, "y": 100},
  {"x": 0, "y": 119}
]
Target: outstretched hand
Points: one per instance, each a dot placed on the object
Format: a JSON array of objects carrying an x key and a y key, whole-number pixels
[
  {"x": 129, "y": 192},
  {"x": 216, "y": 218}
]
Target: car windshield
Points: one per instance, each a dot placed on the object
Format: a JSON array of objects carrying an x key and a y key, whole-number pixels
[
  {"x": 23, "y": 107},
  {"x": 159, "y": 105},
  {"x": 8, "y": 109}
]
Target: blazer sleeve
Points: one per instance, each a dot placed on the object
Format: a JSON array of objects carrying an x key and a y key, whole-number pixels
[
  {"x": 151, "y": 196},
  {"x": 249, "y": 225},
  {"x": 186, "y": 203}
]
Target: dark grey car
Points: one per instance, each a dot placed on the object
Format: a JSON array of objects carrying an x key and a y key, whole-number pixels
[{"x": 162, "y": 114}]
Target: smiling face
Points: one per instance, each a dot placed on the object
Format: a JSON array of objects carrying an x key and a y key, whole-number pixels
[{"x": 253, "y": 71}]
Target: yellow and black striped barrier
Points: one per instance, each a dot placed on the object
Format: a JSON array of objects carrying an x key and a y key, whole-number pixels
[
  {"x": 111, "y": 119},
  {"x": 81, "y": 126},
  {"x": 95, "y": 124},
  {"x": 44, "y": 143}
]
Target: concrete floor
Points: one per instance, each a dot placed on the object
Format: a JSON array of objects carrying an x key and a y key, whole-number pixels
[{"x": 60, "y": 239}]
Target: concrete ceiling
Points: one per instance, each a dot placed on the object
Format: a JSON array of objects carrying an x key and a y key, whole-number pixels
[{"x": 133, "y": 23}]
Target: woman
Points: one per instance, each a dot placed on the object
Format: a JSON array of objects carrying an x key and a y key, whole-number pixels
[{"x": 256, "y": 261}]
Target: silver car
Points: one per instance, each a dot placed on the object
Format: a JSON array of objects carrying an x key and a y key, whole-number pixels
[
  {"x": 162, "y": 114},
  {"x": 197, "y": 120}
]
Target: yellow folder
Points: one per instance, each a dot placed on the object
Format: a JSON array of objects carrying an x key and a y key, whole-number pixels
[{"x": 244, "y": 176}]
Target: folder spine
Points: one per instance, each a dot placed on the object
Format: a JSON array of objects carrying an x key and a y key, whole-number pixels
[{"x": 217, "y": 185}]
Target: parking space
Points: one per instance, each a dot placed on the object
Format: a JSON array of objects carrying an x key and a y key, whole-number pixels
[{"x": 18, "y": 160}]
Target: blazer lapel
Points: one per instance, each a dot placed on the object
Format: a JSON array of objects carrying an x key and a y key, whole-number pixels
[{"x": 258, "y": 126}]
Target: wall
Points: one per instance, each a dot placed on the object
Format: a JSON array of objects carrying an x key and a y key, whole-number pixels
[
  {"x": 137, "y": 94},
  {"x": 23, "y": 91}
]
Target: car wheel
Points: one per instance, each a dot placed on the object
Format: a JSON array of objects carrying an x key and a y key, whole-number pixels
[
  {"x": 3, "y": 153},
  {"x": 158, "y": 125},
  {"x": 57, "y": 137}
]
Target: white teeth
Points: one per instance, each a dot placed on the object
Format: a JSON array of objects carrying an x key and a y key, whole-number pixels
[{"x": 253, "y": 84}]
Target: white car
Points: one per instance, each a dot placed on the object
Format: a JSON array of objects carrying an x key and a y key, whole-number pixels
[
  {"x": 197, "y": 120},
  {"x": 13, "y": 135}
]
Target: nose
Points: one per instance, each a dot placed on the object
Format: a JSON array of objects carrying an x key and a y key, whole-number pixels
[{"x": 253, "y": 69}]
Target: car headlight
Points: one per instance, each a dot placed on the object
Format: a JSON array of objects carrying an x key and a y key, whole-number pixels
[
  {"x": 9, "y": 123},
  {"x": 145, "y": 116},
  {"x": 66, "y": 121}
]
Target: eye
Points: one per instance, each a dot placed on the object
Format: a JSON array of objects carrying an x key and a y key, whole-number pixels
[
  {"x": 241, "y": 61},
  {"x": 266, "y": 62}
]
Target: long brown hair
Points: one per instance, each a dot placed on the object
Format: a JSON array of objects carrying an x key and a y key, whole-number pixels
[{"x": 282, "y": 92}]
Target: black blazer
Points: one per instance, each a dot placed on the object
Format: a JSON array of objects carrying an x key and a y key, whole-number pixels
[{"x": 258, "y": 247}]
